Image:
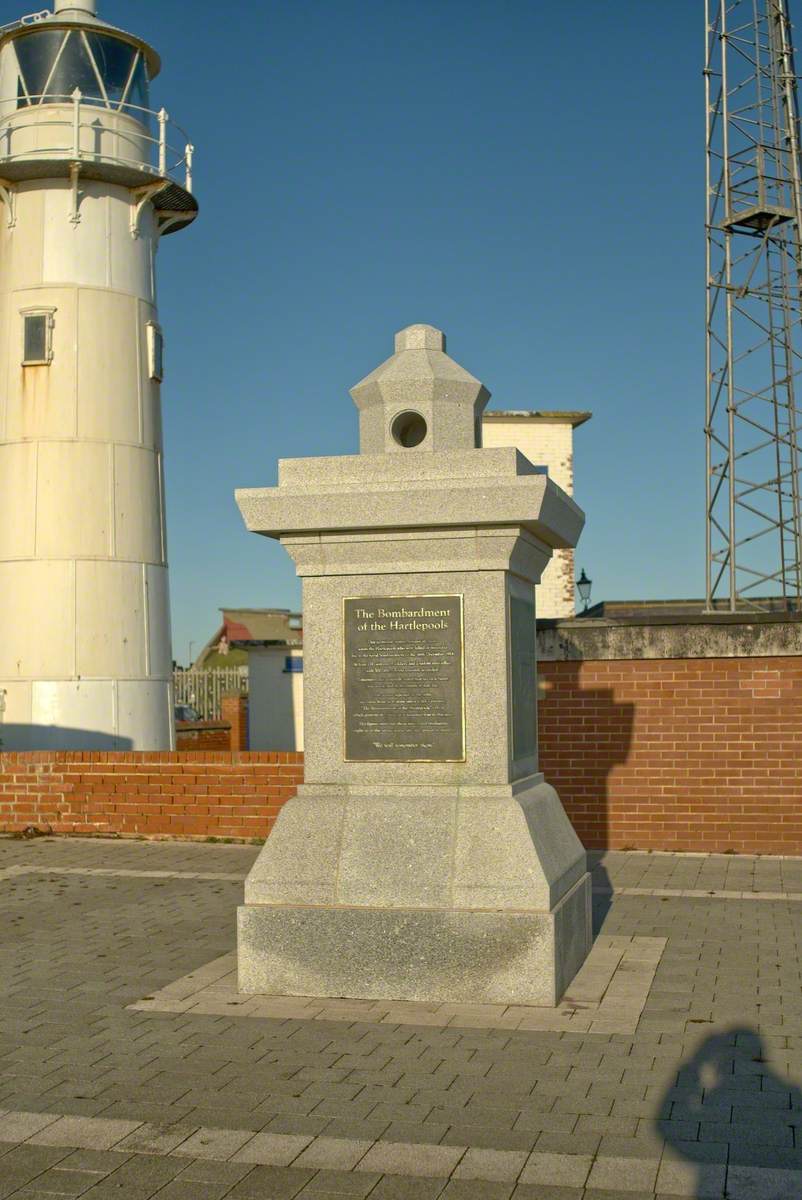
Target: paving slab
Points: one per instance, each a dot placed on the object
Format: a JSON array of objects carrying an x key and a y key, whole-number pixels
[
  {"x": 623, "y": 1174},
  {"x": 205, "y": 1170},
  {"x": 85, "y": 1133},
  {"x": 275, "y": 1183},
  {"x": 699, "y": 1181},
  {"x": 408, "y": 1187},
  {"x": 138, "y": 1177},
  {"x": 179, "y": 1189},
  {"x": 58, "y": 1182},
  {"x": 503, "y": 1166},
  {"x": 271, "y": 1149},
  {"x": 391, "y": 1158},
  {"x": 96, "y": 1162},
  {"x": 340, "y": 1183},
  {"x": 474, "y": 1189},
  {"x": 213, "y": 1143},
  {"x": 562, "y": 1170},
  {"x": 338, "y": 1154},
  {"x": 19, "y": 1126},
  {"x": 156, "y": 1139},
  {"x": 760, "y": 1183}
]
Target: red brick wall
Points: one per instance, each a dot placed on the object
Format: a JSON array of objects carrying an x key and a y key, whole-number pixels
[
  {"x": 663, "y": 754},
  {"x": 176, "y": 794},
  {"x": 677, "y": 754}
]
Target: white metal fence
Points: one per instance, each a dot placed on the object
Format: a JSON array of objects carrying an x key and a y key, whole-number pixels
[{"x": 205, "y": 689}]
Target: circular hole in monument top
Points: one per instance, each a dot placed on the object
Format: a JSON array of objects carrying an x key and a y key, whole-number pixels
[{"x": 409, "y": 429}]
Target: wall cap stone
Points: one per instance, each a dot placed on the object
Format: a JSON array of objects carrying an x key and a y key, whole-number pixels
[{"x": 653, "y": 635}]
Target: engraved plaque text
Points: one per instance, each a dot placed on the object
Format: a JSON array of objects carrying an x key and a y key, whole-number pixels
[{"x": 403, "y": 679}]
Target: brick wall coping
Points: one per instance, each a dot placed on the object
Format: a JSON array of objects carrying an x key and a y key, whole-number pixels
[
  {"x": 188, "y": 726},
  {"x": 713, "y": 635},
  {"x": 656, "y": 617}
]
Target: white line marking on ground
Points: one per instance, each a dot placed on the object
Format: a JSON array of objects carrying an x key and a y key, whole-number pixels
[
  {"x": 695, "y": 893},
  {"x": 120, "y": 872}
]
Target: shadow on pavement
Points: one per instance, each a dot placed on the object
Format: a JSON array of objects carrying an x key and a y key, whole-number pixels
[
  {"x": 603, "y": 897},
  {"x": 730, "y": 1108}
]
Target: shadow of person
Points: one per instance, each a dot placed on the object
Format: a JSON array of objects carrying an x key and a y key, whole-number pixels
[{"x": 735, "y": 1121}]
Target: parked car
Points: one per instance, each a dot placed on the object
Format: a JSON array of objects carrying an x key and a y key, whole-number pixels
[{"x": 185, "y": 712}]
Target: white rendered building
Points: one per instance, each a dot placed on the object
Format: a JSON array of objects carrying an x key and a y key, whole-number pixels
[
  {"x": 276, "y": 698},
  {"x": 89, "y": 182},
  {"x": 547, "y": 439}
]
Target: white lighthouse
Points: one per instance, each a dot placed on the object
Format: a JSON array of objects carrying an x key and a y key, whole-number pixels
[{"x": 90, "y": 180}]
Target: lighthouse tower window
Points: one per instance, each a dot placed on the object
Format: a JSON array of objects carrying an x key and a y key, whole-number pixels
[
  {"x": 37, "y": 337},
  {"x": 155, "y": 352}
]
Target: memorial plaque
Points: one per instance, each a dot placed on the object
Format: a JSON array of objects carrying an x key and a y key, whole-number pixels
[
  {"x": 523, "y": 675},
  {"x": 403, "y": 679}
]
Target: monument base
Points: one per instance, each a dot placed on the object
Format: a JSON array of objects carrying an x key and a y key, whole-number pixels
[{"x": 432, "y": 894}]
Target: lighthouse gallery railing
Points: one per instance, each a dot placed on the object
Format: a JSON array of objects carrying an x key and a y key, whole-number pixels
[{"x": 158, "y": 145}]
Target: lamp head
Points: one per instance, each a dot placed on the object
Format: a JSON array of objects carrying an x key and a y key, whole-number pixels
[{"x": 583, "y": 585}]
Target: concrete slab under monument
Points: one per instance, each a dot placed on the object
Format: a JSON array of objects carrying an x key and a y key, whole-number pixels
[{"x": 425, "y": 857}]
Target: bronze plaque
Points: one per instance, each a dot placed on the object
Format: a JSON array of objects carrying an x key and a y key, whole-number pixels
[
  {"x": 523, "y": 675},
  {"x": 403, "y": 679}
]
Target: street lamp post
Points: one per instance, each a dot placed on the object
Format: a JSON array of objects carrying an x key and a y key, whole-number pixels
[{"x": 584, "y": 585}]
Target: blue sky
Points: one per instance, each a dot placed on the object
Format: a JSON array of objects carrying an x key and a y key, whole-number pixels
[{"x": 526, "y": 175}]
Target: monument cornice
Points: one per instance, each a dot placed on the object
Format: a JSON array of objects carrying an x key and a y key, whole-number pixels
[{"x": 329, "y": 502}]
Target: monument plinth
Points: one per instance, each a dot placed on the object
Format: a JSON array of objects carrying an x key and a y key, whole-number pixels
[{"x": 424, "y": 857}]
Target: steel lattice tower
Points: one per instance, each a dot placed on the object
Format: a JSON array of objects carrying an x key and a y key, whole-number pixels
[{"x": 754, "y": 307}]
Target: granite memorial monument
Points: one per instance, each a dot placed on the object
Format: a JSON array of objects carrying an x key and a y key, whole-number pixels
[{"x": 424, "y": 857}]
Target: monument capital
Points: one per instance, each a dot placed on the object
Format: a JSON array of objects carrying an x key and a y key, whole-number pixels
[{"x": 419, "y": 399}]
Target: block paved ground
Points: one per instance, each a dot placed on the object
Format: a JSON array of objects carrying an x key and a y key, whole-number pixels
[{"x": 700, "y": 1099}]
